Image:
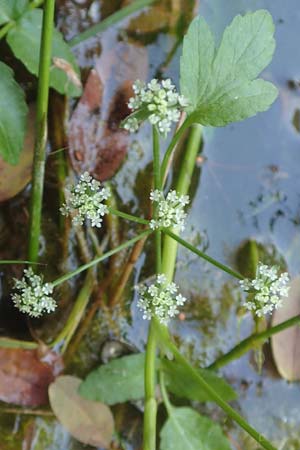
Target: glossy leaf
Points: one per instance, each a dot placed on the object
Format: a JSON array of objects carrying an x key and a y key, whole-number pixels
[
  {"x": 11, "y": 9},
  {"x": 221, "y": 84},
  {"x": 186, "y": 429},
  {"x": 89, "y": 422},
  {"x": 286, "y": 344},
  {"x": 13, "y": 112},
  {"x": 24, "y": 40},
  {"x": 176, "y": 377},
  {"x": 118, "y": 381}
]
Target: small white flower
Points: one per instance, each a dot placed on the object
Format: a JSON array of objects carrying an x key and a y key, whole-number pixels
[
  {"x": 33, "y": 296},
  {"x": 160, "y": 299},
  {"x": 85, "y": 201},
  {"x": 266, "y": 291},
  {"x": 169, "y": 210},
  {"x": 161, "y": 99}
]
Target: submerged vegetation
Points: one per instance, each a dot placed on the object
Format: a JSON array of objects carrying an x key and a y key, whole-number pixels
[{"x": 219, "y": 85}]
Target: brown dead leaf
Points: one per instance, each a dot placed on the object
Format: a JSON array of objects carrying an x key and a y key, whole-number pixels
[
  {"x": 88, "y": 421},
  {"x": 14, "y": 178},
  {"x": 97, "y": 144},
  {"x": 286, "y": 344},
  {"x": 26, "y": 374},
  {"x": 164, "y": 15}
]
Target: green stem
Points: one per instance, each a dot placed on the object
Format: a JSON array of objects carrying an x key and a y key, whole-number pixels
[
  {"x": 149, "y": 440},
  {"x": 157, "y": 185},
  {"x": 41, "y": 130},
  {"x": 164, "y": 393},
  {"x": 128, "y": 216},
  {"x": 77, "y": 312},
  {"x": 17, "y": 261},
  {"x": 6, "y": 342},
  {"x": 164, "y": 166},
  {"x": 95, "y": 261},
  {"x": 203, "y": 255},
  {"x": 5, "y": 29},
  {"x": 182, "y": 187},
  {"x": 194, "y": 373},
  {"x": 251, "y": 342},
  {"x": 111, "y": 20}
]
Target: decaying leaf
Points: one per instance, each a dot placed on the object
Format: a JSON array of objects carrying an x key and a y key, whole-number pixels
[
  {"x": 166, "y": 14},
  {"x": 97, "y": 144},
  {"x": 26, "y": 374},
  {"x": 88, "y": 421},
  {"x": 286, "y": 344}
]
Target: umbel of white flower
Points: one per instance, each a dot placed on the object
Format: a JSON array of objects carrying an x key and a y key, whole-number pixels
[
  {"x": 84, "y": 201},
  {"x": 169, "y": 210},
  {"x": 160, "y": 299},
  {"x": 32, "y": 295},
  {"x": 159, "y": 102},
  {"x": 266, "y": 291}
]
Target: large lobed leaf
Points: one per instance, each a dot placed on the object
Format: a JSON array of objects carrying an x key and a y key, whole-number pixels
[
  {"x": 13, "y": 112},
  {"x": 24, "y": 40},
  {"x": 221, "y": 84},
  {"x": 186, "y": 429},
  {"x": 11, "y": 9}
]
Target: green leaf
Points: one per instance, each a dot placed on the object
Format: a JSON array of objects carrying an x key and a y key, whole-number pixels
[
  {"x": 24, "y": 40},
  {"x": 13, "y": 112},
  {"x": 11, "y": 9},
  {"x": 186, "y": 429},
  {"x": 176, "y": 377},
  {"x": 116, "y": 382},
  {"x": 221, "y": 84}
]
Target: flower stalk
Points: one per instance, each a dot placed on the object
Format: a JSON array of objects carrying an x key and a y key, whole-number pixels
[{"x": 41, "y": 131}]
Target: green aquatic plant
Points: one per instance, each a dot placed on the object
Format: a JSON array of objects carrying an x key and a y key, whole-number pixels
[{"x": 217, "y": 86}]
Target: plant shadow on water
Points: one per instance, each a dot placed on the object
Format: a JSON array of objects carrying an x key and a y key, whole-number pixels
[{"x": 247, "y": 186}]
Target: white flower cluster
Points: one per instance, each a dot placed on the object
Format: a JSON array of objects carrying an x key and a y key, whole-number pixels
[
  {"x": 169, "y": 210},
  {"x": 85, "y": 201},
  {"x": 160, "y": 299},
  {"x": 266, "y": 290},
  {"x": 160, "y": 100},
  {"x": 34, "y": 296}
]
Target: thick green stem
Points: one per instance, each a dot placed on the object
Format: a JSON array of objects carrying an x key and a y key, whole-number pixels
[
  {"x": 41, "y": 131},
  {"x": 150, "y": 373},
  {"x": 182, "y": 187},
  {"x": 110, "y": 20},
  {"x": 95, "y": 261},
  {"x": 251, "y": 342},
  {"x": 203, "y": 255},
  {"x": 150, "y": 400},
  {"x": 77, "y": 312}
]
